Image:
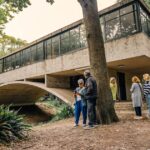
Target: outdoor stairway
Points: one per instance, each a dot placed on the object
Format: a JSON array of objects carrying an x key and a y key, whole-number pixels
[{"x": 126, "y": 106}]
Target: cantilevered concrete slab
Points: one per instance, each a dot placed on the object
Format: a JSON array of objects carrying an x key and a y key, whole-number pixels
[{"x": 27, "y": 93}]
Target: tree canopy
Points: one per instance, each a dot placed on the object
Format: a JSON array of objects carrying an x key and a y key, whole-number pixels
[
  {"x": 8, "y": 8},
  {"x": 8, "y": 44}
]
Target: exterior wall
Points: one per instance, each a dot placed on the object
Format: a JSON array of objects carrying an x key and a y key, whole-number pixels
[
  {"x": 57, "y": 82},
  {"x": 129, "y": 47}
]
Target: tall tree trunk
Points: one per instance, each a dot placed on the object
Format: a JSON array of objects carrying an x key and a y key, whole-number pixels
[{"x": 105, "y": 105}]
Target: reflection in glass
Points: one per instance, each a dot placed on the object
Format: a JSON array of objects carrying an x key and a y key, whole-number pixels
[
  {"x": 128, "y": 24},
  {"x": 65, "y": 44},
  {"x": 55, "y": 46},
  {"x": 112, "y": 29},
  {"x": 74, "y": 38},
  {"x": 40, "y": 51},
  {"x": 83, "y": 40}
]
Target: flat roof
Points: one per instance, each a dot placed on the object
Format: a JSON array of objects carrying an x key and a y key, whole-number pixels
[{"x": 79, "y": 22}]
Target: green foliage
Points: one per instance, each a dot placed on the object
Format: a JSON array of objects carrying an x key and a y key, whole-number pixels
[
  {"x": 147, "y": 2},
  {"x": 12, "y": 126},
  {"x": 8, "y": 44},
  {"x": 8, "y": 8},
  {"x": 63, "y": 110}
]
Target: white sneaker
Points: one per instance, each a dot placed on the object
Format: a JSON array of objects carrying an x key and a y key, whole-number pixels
[
  {"x": 84, "y": 125},
  {"x": 148, "y": 116},
  {"x": 137, "y": 117},
  {"x": 89, "y": 127},
  {"x": 76, "y": 125}
]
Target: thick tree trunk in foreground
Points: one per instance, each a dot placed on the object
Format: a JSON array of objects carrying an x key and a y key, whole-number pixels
[{"x": 105, "y": 107}]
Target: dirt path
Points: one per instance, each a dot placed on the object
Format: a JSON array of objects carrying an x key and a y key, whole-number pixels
[{"x": 125, "y": 135}]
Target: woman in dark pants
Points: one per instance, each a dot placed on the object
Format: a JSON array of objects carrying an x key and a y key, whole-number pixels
[{"x": 136, "y": 91}]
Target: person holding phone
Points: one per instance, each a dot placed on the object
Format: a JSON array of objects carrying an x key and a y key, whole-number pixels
[{"x": 80, "y": 103}]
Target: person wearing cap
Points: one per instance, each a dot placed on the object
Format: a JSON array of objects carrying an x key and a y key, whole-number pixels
[
  {"x": 91, "y": 96},
  {"x": 80, "y": 103},
  {"x": 146, "y": 88}
]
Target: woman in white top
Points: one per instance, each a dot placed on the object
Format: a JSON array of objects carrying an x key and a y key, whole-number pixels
[{"x": 80, "y": 103}]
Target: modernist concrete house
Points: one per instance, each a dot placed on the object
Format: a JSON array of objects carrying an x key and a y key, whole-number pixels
[{"x": 54, "y": 62}]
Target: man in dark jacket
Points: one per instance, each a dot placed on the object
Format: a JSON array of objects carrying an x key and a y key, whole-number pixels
[{"x": 91, "y": 96}]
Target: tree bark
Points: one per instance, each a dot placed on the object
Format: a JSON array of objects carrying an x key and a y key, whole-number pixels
[{"x": 105, "y": 106}]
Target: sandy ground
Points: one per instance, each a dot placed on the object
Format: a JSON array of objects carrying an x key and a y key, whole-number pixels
[{"x": 128, "y": 134}]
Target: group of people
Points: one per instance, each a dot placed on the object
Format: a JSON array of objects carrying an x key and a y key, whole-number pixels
[
  {"x": 86, "y": 94},
  {"x": 139, "y": 92}
]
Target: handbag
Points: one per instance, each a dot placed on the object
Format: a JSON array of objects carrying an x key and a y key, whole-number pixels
[{"x": 142, "y": 92}]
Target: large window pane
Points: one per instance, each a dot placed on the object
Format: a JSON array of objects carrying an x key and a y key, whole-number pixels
[
  {"x": 103, "y": 30},
  {"x": 148, "y": 27},
  {"x": 145, "y": 21},
  {"x": 128, "y": 24},
  {"x": 13, "y": 61},
  {"x": 33, "y": 54},
  {"x": 40, "y": 51},
  {"x": 1, "y": 65},
  {"x": 7, "y": 64},
  {"x": 112, "y": 29},
  {"x": 83, "y": 39},
  {"x": 49, "y": 48},
  {"x": 112, "y": 15},
  {"x": 18, "y": 60},
  {"x": 55, "y": 46},
  {"x": 65, "y": 44},
  {"x": 127, "y": 9},
  {"x": 26, "y": 57},
  {"x": 74, "y": 38}
]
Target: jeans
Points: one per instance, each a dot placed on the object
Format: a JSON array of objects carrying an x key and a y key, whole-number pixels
[
  {"x": 148, "y": 103},
  {"x": 91, "y": 105},
  {"x": 78, "y": 109},
  {"x": 138, "y": 111}
]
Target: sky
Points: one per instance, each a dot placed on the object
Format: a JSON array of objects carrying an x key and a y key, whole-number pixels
[{"x": 41, "y": 18}]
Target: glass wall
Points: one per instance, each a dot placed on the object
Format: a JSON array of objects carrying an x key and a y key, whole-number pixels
[
  {"x": 75, "y": 38},
  {"x": 7, "y": 63},
  {"x": 26, "y": 57},
  {"x": 55, "y": 46},
  {"x": 114, "y": 24},
  {"x": 65, "y": 42},
  {"x": 83, "y": 40},
  {"x": 119, "y": 23},
  {"x": 1, "y": 65},
  {"x": 40, "y": 52},
  {"x": 33, "y": 54},
  {"x": 145, "y": 21},
  {"x": 48, "y": 48}
]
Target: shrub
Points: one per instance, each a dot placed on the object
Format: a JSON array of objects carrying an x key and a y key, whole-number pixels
[
  {"x": 12, "y": 126},
  {"x": 64, "y": 112}
]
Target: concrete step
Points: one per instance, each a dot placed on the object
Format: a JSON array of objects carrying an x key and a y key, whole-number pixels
[{"x": 127, "y": 106}]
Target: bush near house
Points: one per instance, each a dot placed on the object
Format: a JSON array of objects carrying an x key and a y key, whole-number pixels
[
  {"x": 12, "y": 126},
  {"x": 63, "y": 110}
]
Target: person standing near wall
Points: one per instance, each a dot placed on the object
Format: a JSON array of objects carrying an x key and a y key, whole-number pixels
[
  {"x": 146, "y": 88},
  {"x": 91, "y": 96},
  {"x": 113, "y": 87},
  {"x": 136, "y": 95}
]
